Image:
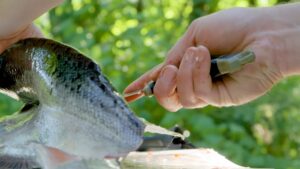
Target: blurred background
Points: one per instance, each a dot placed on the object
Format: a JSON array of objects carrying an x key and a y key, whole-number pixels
[{"x": 126, "y": 38}]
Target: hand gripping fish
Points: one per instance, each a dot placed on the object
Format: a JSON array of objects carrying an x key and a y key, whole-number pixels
[{"x": 70, "y": 107}]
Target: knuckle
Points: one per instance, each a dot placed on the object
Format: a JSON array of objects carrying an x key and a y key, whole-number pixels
[
  {"x": 200, "y": 93},
  {"x": 267, "y": 41},
  {"x": 162, "y": 102},
  {"x": 191, "y": 49},
  {"x": 194, "y": 24},
  {"x": 188, "y": 103},
  {"x": 172, "y": 68},
  {"x": 195, "y": 29},
  {"x": 202, "y": 50},
  {"x": 169, "y": 104},
  {"x": 169, "y": 54},
  {"x": 172, "y": 109}
]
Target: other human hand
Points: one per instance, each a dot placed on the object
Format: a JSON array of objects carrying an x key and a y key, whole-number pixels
[
  {"x": 183, "y": 80},
  {"x": 29, "y": 31}
]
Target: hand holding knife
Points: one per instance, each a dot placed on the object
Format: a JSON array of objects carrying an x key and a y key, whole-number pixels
[{"x": 222, "y": 65}]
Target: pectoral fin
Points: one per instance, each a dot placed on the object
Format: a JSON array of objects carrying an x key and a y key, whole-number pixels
[
  {"x": 32, "y": 156},
  {"x": 155, "y": 129},
  {"x": 52, "y": 158},
  {"x": 11, "y": 162}
]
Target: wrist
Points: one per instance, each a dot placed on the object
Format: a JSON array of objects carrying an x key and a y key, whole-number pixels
[
  {"x": 289, "y": 56},
  {"x": 279, "y": 27},
  {"x": 288, "y": 33}
]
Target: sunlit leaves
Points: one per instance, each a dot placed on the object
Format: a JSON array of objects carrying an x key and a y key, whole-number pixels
[{"x": 127, "y": 38}]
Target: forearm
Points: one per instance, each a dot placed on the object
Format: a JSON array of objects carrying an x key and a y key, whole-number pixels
[{"x": 16, "y": 15}]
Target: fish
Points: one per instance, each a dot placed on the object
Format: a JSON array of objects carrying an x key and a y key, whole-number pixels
[{"x": 71, "y": 110}]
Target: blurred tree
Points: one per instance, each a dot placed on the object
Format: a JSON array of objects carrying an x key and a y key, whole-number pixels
[
  {"x": 129, "y": 37},
  {"x": 203, "y": 7}
]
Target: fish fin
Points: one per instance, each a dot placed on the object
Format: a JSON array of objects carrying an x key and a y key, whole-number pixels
[
  {"x": 13, "y": 162},
  {"x": 52, "y": 158},
  {"x": 155, "y": 129},
  {"x": 15, "y": 121},
  {"x": 91, "y": 164}
]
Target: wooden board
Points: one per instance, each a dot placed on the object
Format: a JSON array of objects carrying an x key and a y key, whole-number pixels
[{"x": 178, "y": 159}]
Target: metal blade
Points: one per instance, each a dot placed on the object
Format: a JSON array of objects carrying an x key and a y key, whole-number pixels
[{"x": 137, "y": 92}]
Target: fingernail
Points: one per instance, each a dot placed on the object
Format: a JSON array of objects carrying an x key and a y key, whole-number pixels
[
  {"x": 198, "y": 59},
  {"x": 199, "y": 55},
  {"x": 197, "y": 64},
  {"x": 189, "y": 55}
]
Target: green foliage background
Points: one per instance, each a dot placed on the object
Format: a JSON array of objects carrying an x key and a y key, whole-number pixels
[{"x": 129, "y": 37}]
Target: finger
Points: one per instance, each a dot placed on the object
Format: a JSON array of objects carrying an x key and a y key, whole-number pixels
[
  {"x": 173, "y": 57},
  {"x": 165, "y": 89},
  {"x": 141, "y": 82},
  {"x": 202, "y": 81},
  {"x": 36, "y": 32},
  {"x": 133, "y": 97},
  {"x": 176, "y": 53},
  {"x": 220, "y": 42},
  {"x": 185, "y": 89},
  {"x": 29, "y": 31}
]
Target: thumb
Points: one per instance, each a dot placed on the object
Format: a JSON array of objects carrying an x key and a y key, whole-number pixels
[{"x": 173, "y": 58}]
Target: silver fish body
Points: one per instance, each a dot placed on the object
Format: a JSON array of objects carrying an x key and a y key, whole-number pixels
[{"x": 70, "y": 105}]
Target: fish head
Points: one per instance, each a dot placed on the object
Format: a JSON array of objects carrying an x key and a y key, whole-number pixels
[
  {"x": 13, "y": 66},
  {"x": 79, "y": 111}
]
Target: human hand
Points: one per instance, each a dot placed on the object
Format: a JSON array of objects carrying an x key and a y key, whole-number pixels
[
  {"x": 16, "y": 23},
  {"x": 183, "y": 79},
  {"x": 29, "y": 31}
]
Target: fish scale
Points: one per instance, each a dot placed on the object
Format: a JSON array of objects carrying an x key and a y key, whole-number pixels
[{"x": 71, "y": 106}]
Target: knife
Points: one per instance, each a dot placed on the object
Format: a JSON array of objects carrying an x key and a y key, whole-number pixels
[{"x": 221, "y": 65}]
